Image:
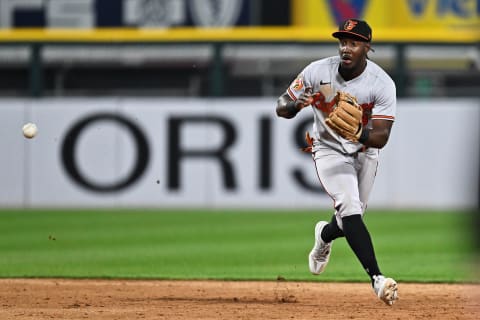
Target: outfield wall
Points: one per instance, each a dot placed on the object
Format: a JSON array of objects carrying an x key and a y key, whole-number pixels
[{"x": 214, "y": 153}]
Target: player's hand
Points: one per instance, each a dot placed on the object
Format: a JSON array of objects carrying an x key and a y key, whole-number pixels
[{"x": 305, "y": 99}]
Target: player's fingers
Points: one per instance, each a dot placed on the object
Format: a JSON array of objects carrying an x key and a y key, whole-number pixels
[
  {"x": 308, "y": 90},
  {"x": 305, "y": 99}
]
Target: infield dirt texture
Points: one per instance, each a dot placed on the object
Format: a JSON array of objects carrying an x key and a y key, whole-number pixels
[{"x": 131, "y": 299}]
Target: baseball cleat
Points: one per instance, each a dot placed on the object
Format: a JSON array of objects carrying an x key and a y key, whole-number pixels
[
  {"x": 320, "y": 254},
  {"x": 385, "y": 289}
]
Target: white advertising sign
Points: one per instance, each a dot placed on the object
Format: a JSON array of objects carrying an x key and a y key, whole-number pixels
[{"x": 219, "y": 153}]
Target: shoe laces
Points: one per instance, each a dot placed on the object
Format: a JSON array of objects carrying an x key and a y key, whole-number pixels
[{"x": 323, "y": 250}]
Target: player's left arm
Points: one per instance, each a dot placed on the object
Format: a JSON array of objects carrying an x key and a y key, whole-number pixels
[
  {"x": 383, "y": 116},
  {"x": 377, "y": 136}
]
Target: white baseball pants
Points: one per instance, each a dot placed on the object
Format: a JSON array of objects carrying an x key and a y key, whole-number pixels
[{"x": 347, "y": 178}]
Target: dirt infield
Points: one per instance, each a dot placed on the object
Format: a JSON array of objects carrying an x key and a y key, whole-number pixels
[{"x": 127, "y": 299}]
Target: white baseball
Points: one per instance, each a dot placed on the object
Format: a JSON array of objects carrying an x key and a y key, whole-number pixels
[{"x": 29, "y": 130}]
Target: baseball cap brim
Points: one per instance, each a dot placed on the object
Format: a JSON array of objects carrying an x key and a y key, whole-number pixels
[{"x": 349, "y": 34}]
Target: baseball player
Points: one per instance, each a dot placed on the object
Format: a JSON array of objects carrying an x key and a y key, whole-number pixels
[{"x": 354, "y": 104}]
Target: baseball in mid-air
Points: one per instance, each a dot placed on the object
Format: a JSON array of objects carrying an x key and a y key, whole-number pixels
[{"x": 30, "y": 130}]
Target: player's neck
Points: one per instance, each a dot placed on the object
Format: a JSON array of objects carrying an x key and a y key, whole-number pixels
[{"x": 349, "y": 74}]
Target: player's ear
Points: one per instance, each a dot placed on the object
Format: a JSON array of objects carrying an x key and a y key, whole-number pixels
[{"x": 367, "y": 47}]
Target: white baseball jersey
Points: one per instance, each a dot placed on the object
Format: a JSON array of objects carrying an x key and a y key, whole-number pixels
[{"x": 374, "y": 89}]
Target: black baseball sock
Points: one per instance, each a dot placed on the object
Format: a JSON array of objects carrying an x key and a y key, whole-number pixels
[
  {"x": 360, "y": 241},
  {"x": 331, "y": 231}
]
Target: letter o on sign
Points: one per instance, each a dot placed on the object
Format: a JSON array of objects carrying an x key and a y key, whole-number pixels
[{"x": 69, "y": 148}]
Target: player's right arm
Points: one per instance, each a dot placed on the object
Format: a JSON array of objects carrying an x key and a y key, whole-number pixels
[{"x": 288, "y": 108}]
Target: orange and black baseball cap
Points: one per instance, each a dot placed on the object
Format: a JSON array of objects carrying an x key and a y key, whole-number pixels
[{"x": 354, "y": 28}]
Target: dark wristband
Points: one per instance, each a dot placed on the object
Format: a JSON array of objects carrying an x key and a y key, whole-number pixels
[
  {"x": 291, "y": 108},
  {"x": 364, "y": 136}
]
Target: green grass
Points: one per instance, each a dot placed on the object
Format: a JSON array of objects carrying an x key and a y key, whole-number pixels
[{"x": 174, "y": 244}]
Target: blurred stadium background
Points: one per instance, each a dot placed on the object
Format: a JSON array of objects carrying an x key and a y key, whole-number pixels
[
  {"x": 170, "y": 103},
  {"x": 429, "y": 47}
]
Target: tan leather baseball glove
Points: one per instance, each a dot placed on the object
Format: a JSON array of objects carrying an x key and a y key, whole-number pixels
[{"x": 346, "y": 117}]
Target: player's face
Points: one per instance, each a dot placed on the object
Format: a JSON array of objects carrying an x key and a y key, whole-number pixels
[{"x": 353, "y": 53}]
